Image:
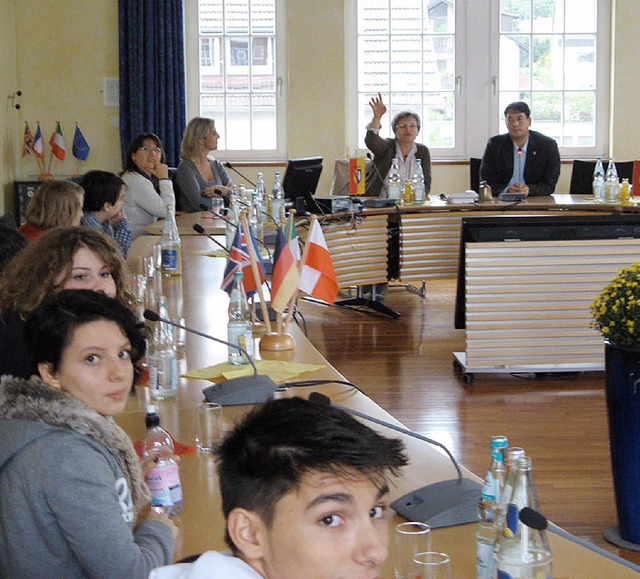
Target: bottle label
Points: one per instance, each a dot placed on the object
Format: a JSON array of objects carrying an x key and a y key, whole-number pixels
[
  {"x": 485, "y": 560},
  {"x": 489, "y": 489},
  {"x": 164, "y": 484},
  {"x": 170, "y": 259},
  {"x": 510, "y": 527}
]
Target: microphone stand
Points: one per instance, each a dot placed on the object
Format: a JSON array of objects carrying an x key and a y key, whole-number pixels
[
  {"x": 230, "y": 166},
  {"x": 199, "y": 229},
  {"x": 242, "y": 390},
  {"x": 442, "y": 504}
]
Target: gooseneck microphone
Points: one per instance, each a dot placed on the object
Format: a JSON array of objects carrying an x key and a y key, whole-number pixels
[
  {"x": 230, "y": 166},
  {"x": 199, "y": 229},
  {"x": 241, "y": 390},
  {"x": 442, "y": 504},
  {"x": 377, "y": 172}
]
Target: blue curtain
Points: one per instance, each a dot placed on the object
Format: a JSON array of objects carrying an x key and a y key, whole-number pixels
[{"x": 152, "y": 76}]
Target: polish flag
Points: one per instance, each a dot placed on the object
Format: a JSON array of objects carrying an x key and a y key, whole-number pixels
[{"x": 318, "y": 278}]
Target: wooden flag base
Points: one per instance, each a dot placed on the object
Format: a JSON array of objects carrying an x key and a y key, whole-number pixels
[
  {"x": 274, "y": 342},
  {"x": 46, "y": 176}
]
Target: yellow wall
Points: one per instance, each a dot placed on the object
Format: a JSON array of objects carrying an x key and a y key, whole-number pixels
[
  {"x": 9, "y": 123},
  {"x": 58, "y": 53}
]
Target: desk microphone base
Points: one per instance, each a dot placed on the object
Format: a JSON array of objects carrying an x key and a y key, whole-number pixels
[
  {"x": 442, "y": 504},
  {"x": 242, "y": 390}
]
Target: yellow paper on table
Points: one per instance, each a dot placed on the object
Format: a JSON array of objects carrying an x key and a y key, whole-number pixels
[
  {"x": 277, "y": 370},
  {"x": 214, "y": 253}
]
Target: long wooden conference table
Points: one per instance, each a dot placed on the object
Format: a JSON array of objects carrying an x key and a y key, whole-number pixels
[{"x": 197, "y": 296}]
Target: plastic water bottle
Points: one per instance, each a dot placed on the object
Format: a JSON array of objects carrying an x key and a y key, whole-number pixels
[
  {"x": 522, "y": 550},
  {"x": 486, "y": 533},
  {"x": 598, "y": 182},
  {"x": 239, "y": 330},
  {"x": 395, "y": 182},
  {"x": 262, "y": 198},
  {"x": 164, "y": 478},
  {"x": 417, "y": 182},
  {"x": 277, "y": 197},
  {"x": 163, "y": 358},
  {"x": 171, "y": 245},
  {"x": 612, "y": 183}
]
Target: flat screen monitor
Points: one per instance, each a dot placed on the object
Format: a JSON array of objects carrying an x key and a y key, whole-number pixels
[
  {"x": 536, "y": 228},
  {"x": 301, "y": 177}
]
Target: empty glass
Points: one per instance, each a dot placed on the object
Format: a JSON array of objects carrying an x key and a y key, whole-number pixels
[
  {"x": 410, "y": 538},
  {"x": 431, "y": 565}
]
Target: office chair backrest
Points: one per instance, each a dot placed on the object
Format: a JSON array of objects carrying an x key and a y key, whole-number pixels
[
  {"x": 582, "y": 175},
  {"x": 474, "y": 174}
]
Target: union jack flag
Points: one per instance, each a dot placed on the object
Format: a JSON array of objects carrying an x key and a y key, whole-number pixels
[
  {"x": 27, "y": 141},
  {"x": 238, "y": 260}
]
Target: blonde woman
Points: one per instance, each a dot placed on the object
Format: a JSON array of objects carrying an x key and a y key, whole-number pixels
[
  {"x": 55, "y": 203},
  {"x": 199, "y": 177}
]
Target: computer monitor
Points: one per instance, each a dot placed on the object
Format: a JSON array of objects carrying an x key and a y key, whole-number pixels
[{"x": 301, "y": 178}]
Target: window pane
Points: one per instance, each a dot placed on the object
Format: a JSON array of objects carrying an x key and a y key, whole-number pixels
[
  {"x": 406, "y": 51},
  {"x": 238, "y": 76},
  {"x": 515, "y": 16},
  {"x": 580, "y": 62},
  {"x": 581, "y": 15}
]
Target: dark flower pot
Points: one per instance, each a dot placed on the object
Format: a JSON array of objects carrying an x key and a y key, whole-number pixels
[{"x": 622, "y": 368}]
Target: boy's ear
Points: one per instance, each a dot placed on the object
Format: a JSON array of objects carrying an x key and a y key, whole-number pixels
[{"x": 248, "y": 533}]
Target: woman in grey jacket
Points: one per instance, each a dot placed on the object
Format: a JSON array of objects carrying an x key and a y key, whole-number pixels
[{"x": 73, "y": 502}]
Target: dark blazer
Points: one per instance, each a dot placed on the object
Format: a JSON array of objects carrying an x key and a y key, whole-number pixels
[
  {"x": 541, "y": 169},
  {"x": 384, "y": 150}
]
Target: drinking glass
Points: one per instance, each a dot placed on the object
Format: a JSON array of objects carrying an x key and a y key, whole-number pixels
[
  {"x": 209, "y": 427},
  {"x": 217, "y": 205},
  {"x": 410, "y": 538},
  {"x": 432, "y": 565}
]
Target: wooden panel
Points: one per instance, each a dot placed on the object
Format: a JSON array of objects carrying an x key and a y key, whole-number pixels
[
  {"x": 528, "y": 303},
  {"x": 358, "y": 251}
]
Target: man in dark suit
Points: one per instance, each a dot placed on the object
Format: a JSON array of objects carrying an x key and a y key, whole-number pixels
[{"x": 521, "y": 160}]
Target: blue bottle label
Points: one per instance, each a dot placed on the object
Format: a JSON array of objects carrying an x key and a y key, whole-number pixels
[{"x": 170, "y": 259}]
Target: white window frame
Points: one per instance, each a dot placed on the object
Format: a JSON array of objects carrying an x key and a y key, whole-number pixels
[
  {"x": 192, "y": 58},
  {"x": 477, "y": 98}
]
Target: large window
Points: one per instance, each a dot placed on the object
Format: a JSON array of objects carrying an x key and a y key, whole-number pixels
[
  {"x": 234, "y": 74},
  {"x": 459, "y": 63}
]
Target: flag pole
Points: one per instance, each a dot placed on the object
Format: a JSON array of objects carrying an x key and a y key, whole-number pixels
[
  {"x": 303, "y": 259},
  {"x": 281, "y": 318},
  {"x": 254, "y": 268}
]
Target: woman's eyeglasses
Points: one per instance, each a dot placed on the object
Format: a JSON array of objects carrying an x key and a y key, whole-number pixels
[{"x": 155, "y": 150}]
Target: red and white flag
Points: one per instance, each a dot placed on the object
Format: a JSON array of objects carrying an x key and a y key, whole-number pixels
[
  {"x": 57, "y": 143},
  {"x": 318, "y": 278}
]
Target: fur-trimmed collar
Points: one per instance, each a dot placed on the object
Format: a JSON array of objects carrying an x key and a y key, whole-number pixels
[{"x": 33, "y": 400}]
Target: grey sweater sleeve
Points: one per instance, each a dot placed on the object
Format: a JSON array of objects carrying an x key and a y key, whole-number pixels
[{"x": 90, "y": 501}]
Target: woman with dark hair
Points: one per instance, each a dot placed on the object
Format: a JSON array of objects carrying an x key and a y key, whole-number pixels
[
  {"x": 199, "y": 177},
  {"x": 149, "y": 188},
  {"x": 73, "y": 501},
  {"x": 103, "y": 197},
  {"x": 62, "y": 258},
  {"x": 405, "y": 126}
]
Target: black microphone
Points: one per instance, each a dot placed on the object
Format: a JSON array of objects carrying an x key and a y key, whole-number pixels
[
  {"x": 242, "y": 390},
  {"x": 199, "y": 229},
  {"x": 377, "y": 172},
  {"x": 442, "y": 504},
  {"x": 230, "y": 166}
]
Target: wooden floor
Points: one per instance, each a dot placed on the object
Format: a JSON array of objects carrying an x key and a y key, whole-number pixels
[{"x": 406, "y": 366}]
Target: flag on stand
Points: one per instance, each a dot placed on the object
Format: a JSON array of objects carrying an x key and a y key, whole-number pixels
[
  {"x": 57, "y": 143},
  {"x": 38, "y": 144},
  {"x": 318, "y": 278},
  {"x": 239, "y": 260},
  {"x": 80, "y": 148},
  {"x": 286, "y": 260},
  {"x": 27, "y": 142}
]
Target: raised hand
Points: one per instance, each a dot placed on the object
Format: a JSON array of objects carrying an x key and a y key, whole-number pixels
[{"x": 378, "y": 107}]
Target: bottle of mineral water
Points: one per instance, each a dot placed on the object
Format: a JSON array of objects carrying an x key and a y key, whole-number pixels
[
  {"x": 417, "y": 182},
  {"x": 239, "y": 328},
  {"x": 163, "y": 357},
  {"x": 612, "y": 183},
  {"x": 171, "y": 245},
  {"x": 598, "y": 182},
  {"x": 486, "y": 532},
  {"x": 164, "y": 478},
  {"x": 277, "y": 197},
  {"x": 395, "y": 182}
]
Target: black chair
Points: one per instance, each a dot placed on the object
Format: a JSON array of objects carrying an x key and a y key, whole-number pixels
[
  {"x": 474, "y": 174},
  {"x": 173, "y": 171},
  {"x": 582, "y": 175}
]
